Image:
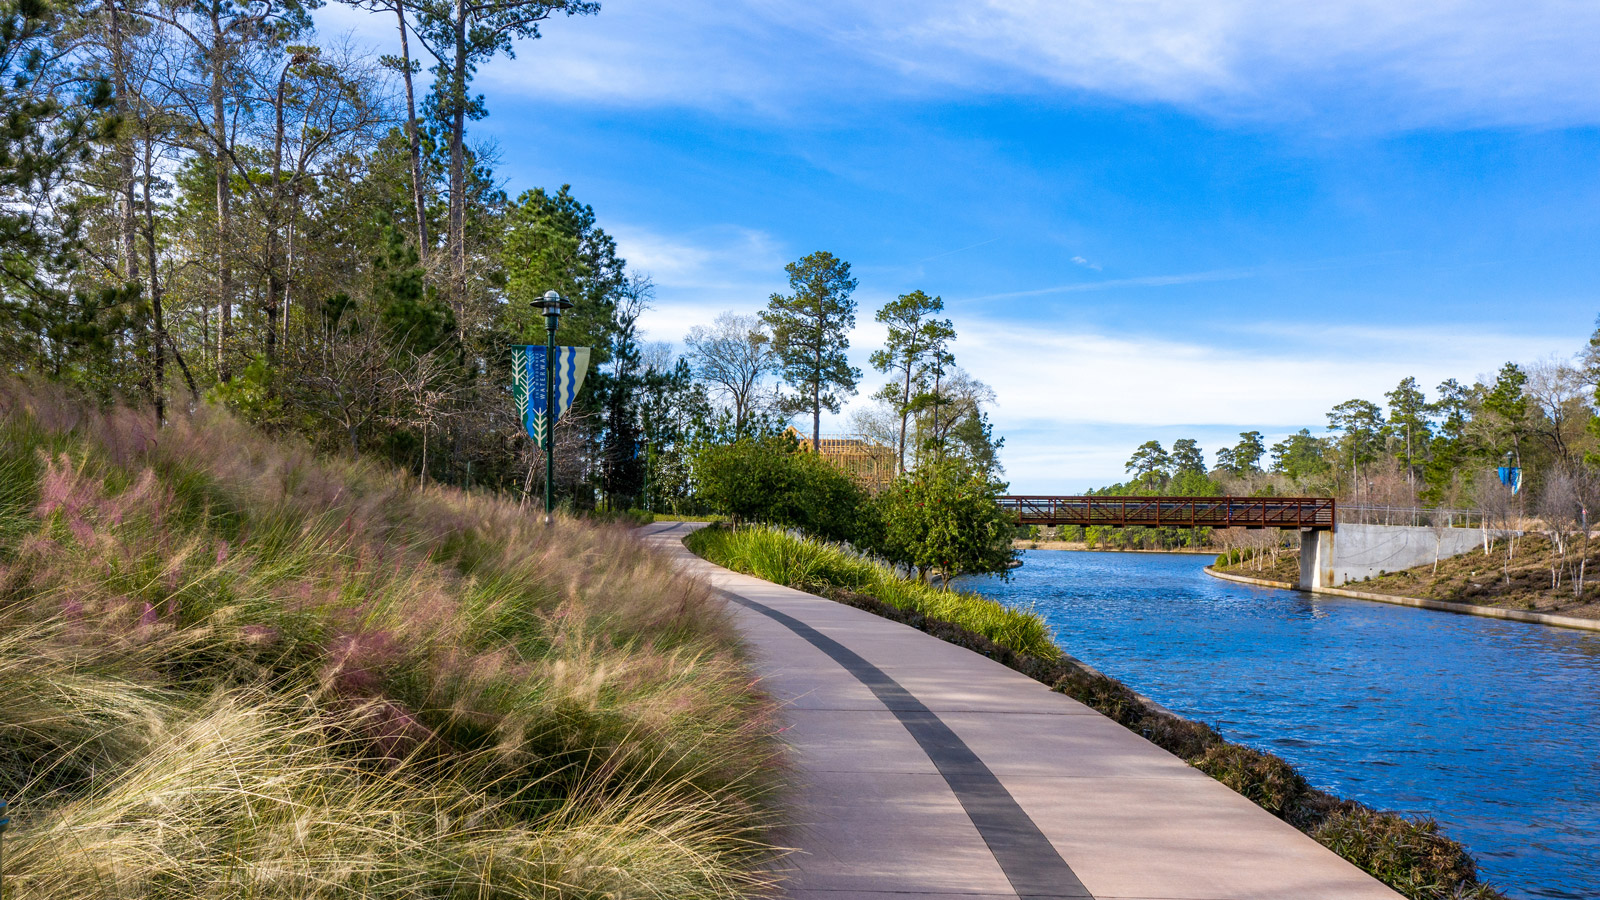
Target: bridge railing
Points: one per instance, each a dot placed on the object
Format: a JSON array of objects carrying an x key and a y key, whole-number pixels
[
  {"x": 1410, "y": 515},
  {"x": 1178, "y": 512}
]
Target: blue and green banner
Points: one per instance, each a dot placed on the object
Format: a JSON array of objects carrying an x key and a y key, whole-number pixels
[{"x": 527, "y": 374}]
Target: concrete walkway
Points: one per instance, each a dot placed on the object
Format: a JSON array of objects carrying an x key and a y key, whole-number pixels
[{"x": 926, "y": 770}]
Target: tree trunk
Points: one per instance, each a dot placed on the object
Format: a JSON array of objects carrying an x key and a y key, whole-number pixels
[
  {"x": 414, "y": 141},
  {"x": 816, "y": 392},
  {"x": 275, "y": 278},
  {"x": 219, "y": 129},
  {"x": 157, "y": 316},
  {"x": 458, "y": 163},
  {"x": 125, "y": 149},
  {"x": 905, "y": 412}
]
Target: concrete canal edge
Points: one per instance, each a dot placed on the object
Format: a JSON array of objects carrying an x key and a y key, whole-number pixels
[{"x": 1466, "y": 609}]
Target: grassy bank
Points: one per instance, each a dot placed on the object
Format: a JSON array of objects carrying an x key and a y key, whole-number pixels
[
  {"x": 1284, "y": 567},
  {"x": 825, "y": 568},
  {"x": 1526, "y": 583},
  {"x": 228, "y": 667},
  {"x": 1409, "y": 855}
]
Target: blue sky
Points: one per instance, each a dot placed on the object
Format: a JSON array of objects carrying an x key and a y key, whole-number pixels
[{"x": 1153, "y": 219}]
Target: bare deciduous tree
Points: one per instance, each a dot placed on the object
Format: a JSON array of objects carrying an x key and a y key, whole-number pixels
[
  {"x": 735, "y": 356},
  {"x": 1558, "y": 391},
  {"x": 1500, "y": 512}
]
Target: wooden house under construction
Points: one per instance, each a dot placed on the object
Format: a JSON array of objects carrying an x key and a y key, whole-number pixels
[{"x": 869, "y": 464}]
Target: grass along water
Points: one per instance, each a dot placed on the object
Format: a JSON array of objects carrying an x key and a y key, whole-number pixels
[{"x": 821, "y": 567}]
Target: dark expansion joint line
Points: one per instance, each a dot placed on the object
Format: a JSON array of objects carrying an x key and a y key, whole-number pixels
[{"x": 1028, "y": 859}]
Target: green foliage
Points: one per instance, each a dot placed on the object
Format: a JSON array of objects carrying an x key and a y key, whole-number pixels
[
  {"x": 552, "y": 242},
  {"x": 415, "y": 317},
  {"x": 252, "y": 393},
  {"x": 943, "y": 518},
  {"x": 811, "y": 332},
  {"x": 1192, "y": 483},
  {"x": 1149, "y": 464},
  {"x": 915, "y": 343},
  {"x": 767, "y": 480},
  {"x": 1408, "y": 421},
  {"x": 1187, "y": 457},
  {"x": 1300, "y": 456},
  {"x": 826, "y": 568},
  {"x": 1409, "y": 855},
  {"x": 46, "y": 131},
  {"x": 1244, "y": 457}
]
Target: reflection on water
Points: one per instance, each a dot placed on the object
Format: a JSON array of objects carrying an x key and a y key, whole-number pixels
[{"x": 1491, "y": 727}]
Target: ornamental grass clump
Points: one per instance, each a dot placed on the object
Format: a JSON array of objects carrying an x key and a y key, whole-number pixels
[
  {"x": 832, "y": 569},
  {"x": 230, "y": 666}
]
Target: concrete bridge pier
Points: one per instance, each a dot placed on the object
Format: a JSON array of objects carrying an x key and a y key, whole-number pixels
[{"x": 1316, "y": 559}]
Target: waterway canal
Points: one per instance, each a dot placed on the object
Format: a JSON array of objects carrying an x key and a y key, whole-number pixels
[{"x": 1491, "y": 727}]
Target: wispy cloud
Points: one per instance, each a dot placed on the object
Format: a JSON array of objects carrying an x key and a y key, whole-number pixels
[
  {"x": 1073, "y": 403},
  {"x": 1356, "y": 63},
  {"x": 958, "y": 250},
  {"x": 700, "y": 273},
  {"x": 1134, "y": 282}
]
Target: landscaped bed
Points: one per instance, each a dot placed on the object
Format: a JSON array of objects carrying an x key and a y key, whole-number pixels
[{"x": 1409, "y": 855}]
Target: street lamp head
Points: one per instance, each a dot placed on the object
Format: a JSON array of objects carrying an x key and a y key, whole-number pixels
[{"x": 552, "y": 303}]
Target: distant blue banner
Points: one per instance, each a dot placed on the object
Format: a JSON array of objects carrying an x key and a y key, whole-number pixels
[
  {"x": 533, "y": 407},
  {"x": 1511, "y": 477}
]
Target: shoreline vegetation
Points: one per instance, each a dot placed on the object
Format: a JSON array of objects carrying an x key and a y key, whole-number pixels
[
  {"x": 1408, "y": 854},
  {"x": 1526, "y": 577},
  {"x": 231, "y": 666},
  {"x": 1083, "y": 546}
]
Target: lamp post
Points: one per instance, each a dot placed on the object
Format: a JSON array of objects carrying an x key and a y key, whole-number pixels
[
  {"x": 553, "y": 305},
  {"x": 4, "y": 821}
]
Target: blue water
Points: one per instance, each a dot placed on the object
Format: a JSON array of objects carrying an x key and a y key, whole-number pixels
[{"x": 1490, "y": 727}]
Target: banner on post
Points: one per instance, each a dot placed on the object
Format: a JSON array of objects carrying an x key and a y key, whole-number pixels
[{"x": 533, "y": 407}]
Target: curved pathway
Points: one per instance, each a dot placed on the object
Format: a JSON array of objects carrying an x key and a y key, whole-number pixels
[{"x": 926, "y": 770}]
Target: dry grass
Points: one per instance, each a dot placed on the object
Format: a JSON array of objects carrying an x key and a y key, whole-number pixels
[
  {"x": 1527, "y": 583},
  {"x": 229, "y": 666},
  {"x": 1487, "y": 579}
]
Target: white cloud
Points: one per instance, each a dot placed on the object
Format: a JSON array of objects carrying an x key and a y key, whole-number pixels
[
  {"x": 1072, "y": 404},
  {"x": 701, "y": 273},
  {"x": 1412, "y": 63}
]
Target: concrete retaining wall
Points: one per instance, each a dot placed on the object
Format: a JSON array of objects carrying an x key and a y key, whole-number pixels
[
  {"x": 1469, "y": 609},
  {"x": 1362, "y": 551}
]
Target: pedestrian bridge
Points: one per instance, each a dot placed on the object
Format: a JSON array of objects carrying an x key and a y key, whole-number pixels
[{"x": 1309, "y": 513}]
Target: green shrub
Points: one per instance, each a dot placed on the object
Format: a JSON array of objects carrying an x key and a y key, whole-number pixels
[
  {"x": 942, "y": 518},
  {"x": 769, "y": 481},
  {"x": 1407, "y": 854},
  {"x": 823, "y": 568},
  {"x": 1273, "y": 784}
]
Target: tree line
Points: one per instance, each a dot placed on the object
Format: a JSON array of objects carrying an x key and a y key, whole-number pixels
[
  {"x": 938, "y": 516},
  {"x": 207, "y": 201},
  {"x": 1440, "y": 452},
  {"x": 1411, "y": 450}
]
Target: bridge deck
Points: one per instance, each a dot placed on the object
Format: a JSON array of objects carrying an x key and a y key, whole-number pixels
[{"x": 1317, "y": 513}]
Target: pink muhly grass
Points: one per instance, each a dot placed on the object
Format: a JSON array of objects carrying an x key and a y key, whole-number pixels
[{"x": 66, "y": 488}]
